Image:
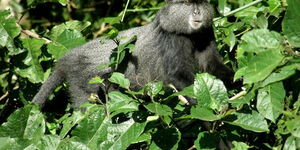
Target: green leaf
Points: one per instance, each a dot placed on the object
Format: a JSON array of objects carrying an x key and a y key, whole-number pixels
[
  {"x": 7, "y": 143},
  {"x": 64, "y": 3},
  {"x": 210, "y": 92},
  {"x": 120, "y": 136},
  {"x": 282, "y": 74},
  {"x": 240, "y": 146},
  {"x": 187, "y": 91},
  {"x": 70, "y": 123},
  {"x": 262, "y": 65},
  {"x": 70, "y": 25},
  {"x": 96, "y": 80},
  {"x": 166, "y": 139},
  {"x": 290, "y": 144},
  {"x": 111, "y": 20},
  {"x": 143, "y": 138},
  {"x": 27, "y": 123},
  {"x": 49, "y": 142},
  {"x": 121, "y": 103},
  {"x": 66, "y": 41},
  {"x": 119, "y": 79},
  {"x": 70, "y": 144},
  {"x": 207, "y": 141},
  {"x": 128, "y": 136},
  {"x": 262, "y": 39},
  {"x": 34, "y": 72},
  {"x": 291, "y": 24},
  {"x": 92, "y": 129},
  {"x": 222, "y": 7},
  {"x": 253, "y": 122},
  {"x": 270, "y": 101},
  {"x": 293, "y": 127},
  {"x": 8, "y": 31},
  {"x": 212, "y": 98},
  {"x": 205, "y": 113},
  {"x": 262, "y": 22},
  {"x": 259, "y": 54},
  {"x": 154, "y": 88},
  {"x": 159, "y": 109}
]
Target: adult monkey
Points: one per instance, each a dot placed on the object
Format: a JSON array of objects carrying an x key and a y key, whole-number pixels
[{"x": 177, "y": 44}]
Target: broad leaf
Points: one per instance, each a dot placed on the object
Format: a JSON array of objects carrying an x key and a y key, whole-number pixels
[
  {"x": 166, "y": 139},
  {"x": 290, "y": 143},
  {"x": 119, "y": 79},
  {"x": 270, "y": 101},
  {"x": 261, "y": 66},
  {"x": 70, "y": 144},
  {"x": 293, "y": 127},
  {"x": 27, "y": 123},
  {"x": 70, "y": 123},
  {"x": 8, "y": 31},
  {"x": 283, "y": 73},
  {"x": 92, "y": 129},
  {"x": 240, "y": 146},
  {"x": 64, "y": 42},
  {"x": 259, "y": 54},
  {"x": 153, "y": 88},
  {"x": 34, "y": 72},
  {"x": 212, "y": 98},
  {"x": 128, "y": 136},
  {"x": 159, "y": 109},
  {"x": 121, "y": 103},
  {"x": 7, "y": 143},
  {"x": 210, "y": 92},
  {"x": 291, "y": 24},
  {"x": 207, "y": 141},
  {"x": 49, "y": 142},
  {"x": 253, "y": 122},
  {"x": 205, "y": 113},
  {"x": 120, "y": 136},
  {"x": 70, "y": 25},
  {"x": 261, "y": 40}
]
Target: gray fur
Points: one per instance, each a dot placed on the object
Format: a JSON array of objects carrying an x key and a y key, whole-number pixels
[{"x": 172, "y": 49}]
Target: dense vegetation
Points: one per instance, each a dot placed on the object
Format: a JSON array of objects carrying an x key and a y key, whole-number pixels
[{"x": 261, "y": 42}]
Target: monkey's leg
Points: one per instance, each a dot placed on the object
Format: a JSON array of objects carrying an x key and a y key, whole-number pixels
[
  {"x": 78, "y": 95},
  {"x": 56, "y": 78}
]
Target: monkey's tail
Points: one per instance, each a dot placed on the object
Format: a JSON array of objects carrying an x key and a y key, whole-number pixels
[{"x": 55, "y": 79}]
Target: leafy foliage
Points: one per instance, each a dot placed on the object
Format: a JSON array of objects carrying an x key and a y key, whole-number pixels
[{"x": 260, "y": 42}]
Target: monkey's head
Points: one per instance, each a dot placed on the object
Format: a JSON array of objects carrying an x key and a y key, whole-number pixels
[{"x": 186, "y": 16}]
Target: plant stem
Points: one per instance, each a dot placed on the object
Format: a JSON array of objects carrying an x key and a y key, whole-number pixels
[
  {"x": 125, "y": 10},
  {"x": 239, "y": 9},
  {"x": 143, "y": 9}
]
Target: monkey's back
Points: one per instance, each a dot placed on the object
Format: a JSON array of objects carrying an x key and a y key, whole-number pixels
[{"x": 80, "y": 64}]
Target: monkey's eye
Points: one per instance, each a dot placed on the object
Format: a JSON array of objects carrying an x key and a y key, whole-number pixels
[{"x": 188, "y": 3}]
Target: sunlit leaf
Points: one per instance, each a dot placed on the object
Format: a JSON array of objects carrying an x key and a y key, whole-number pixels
[
  {"x": 270, "y": 101},
  {"x": 64, "y": 42},
  {"x": 253, "y": 122},
  {"x": 291, "y": 24}
]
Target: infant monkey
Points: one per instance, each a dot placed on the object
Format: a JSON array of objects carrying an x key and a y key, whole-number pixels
[{"x": 178, "y": 43}]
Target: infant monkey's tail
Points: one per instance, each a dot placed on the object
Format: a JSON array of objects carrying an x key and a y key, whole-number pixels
[{"x": 55, "y": 79}]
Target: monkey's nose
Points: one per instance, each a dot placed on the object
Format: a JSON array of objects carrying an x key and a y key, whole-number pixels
[{"x": 196, "y": 12}]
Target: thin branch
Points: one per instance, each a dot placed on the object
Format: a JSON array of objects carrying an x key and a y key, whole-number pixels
[
  {"x": 193, "y": 147},
  {"x": 239, "y": 9},
  {"x": 124, "y": 12},
  {"x": 242, "y": 93},
  {"x": 143, "y": 9},
  {"x": 35, "y": 35},
  {"x": 4, "y": 96},
  {"x": 180, "y": 97}
]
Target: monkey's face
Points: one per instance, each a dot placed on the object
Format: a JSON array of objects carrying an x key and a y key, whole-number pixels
[{"x": 186, "y": 16}]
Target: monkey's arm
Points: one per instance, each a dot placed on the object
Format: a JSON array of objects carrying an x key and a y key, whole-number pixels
[{"x": 211, "y": 62}]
